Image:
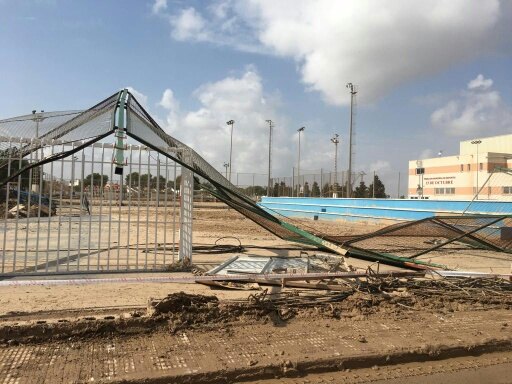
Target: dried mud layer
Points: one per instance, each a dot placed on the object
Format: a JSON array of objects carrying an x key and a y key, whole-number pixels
[
  {"x": 389, "y": 329},
  {"x": 185, "y": 338}
]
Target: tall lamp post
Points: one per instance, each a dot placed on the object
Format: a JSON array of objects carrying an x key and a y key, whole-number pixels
[
  {"x": 301, "y": 129},
  {"x": 477, "y": 142},
  {"x": 232, "y": 123},
  {"x": 38, "y": 118},
  {"x": 271, "y": 126},
  {"x": 353, "y": 92},
  {"x": 336, "y": 141}
]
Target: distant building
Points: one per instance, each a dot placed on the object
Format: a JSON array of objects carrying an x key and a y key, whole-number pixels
[{"x": 460, "y": 177}]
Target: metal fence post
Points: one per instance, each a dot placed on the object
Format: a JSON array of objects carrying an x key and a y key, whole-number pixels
[{"x": 187, "y": 202}]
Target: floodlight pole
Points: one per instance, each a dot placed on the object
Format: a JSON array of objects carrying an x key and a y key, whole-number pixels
[
  {"x": 37, "y": 117},
  {"x": 336, "y": 141},
  {"x": 477, "y": 142},
  {"x": 271, "y": 126},
  {"x": 232, "y": 123},
  {"x": 353, "y": 92},
  {"x": 298, "y": 163}
]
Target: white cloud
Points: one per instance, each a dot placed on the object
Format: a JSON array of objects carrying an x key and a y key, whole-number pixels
[
  {"x": 168, "y": 101},
  {"x": 375, "y": 46},
  {"x": 189, "y": 25},
  {"x": 477, "y": 110},
  {"x": 159, "y": 6},
  {"x": 480, "y": 83},
  {"x": 141, "y": 98},
  {"x": 233, "y": 98}
]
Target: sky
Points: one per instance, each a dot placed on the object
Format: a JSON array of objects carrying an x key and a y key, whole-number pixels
[{"x": 428, "y": 74}]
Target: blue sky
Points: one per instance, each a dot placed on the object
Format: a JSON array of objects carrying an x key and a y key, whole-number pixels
[{"x": 429, "y": 74}]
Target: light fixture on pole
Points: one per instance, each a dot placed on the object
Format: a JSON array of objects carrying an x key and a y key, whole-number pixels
[
  {"x": 336, "y": 141},
  {"x": 298, "y": 163},
  {"x": 271, "y": 126},
  {"x": 477, "y": 142},
  {"x": 232, "y": 123}
]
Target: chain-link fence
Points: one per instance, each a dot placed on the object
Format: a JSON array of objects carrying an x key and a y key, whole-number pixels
[{"x": 322, "y": 183}]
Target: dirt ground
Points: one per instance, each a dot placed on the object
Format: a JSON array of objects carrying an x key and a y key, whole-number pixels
[{"x": 395, "y": 333}]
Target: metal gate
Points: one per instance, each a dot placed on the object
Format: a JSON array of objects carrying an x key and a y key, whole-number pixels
[{"x": 77, "y": 215}]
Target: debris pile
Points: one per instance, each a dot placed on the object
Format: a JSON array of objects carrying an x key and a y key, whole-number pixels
[
  {"x": 375, "y": 294},
  {"x": 21, "y": 210},
  {"x": 179, "y": 302},
  {"x": 184, "y": 265}
]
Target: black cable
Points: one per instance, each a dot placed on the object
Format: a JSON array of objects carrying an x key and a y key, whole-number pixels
[{"x": 51, "y": 158}]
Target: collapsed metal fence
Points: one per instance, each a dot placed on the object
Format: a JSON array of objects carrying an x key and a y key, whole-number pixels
[
  {"x": 120, "y": 115},
  {"x": 76, "y": 215}
]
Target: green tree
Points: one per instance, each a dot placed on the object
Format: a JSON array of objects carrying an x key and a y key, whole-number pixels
[
  {"x": 95, "y": 179},
  {"x": 259, "y": 190},
  {"x": 307, "y": 190},
  {"x": 284, "y": 189},
  {"x": 132, "y": 179},
  {"x": 145, "y": 180},
  {"x": 158, "y": 181},
  {"x": 361, "y": 191},
  {"x": 326, "y": 190},
  {"x": 275, "y": 190},
  {"x": 315, "y": 189},
  {"x": 380, "y": 190}
]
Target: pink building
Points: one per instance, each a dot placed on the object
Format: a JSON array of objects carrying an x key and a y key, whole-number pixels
[{"x": 459, "y": 177}]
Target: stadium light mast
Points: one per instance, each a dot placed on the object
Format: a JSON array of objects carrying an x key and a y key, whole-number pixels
[
  {"x": 301, "y": 129},
  {"x": 336, "y": 141},
  {"x": 232, "y": 123},
  {"x": 477, "y": 142},
  {"x": 271, "y": 126},
  {"x": 353, "y": 93},
  {"x": 38, "y": 118}
]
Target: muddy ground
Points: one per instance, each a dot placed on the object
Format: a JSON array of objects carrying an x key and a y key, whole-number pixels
[{"x": 389, "y": 330}]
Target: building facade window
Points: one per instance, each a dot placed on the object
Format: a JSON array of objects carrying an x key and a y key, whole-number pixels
[
  {"x": 469, "y": 167},
  {"x": 507, "y": 190},
  {"x": 462, "y": 167},
  {"x": 481, "y": 166},
  {"x": 444, "y": 191}
]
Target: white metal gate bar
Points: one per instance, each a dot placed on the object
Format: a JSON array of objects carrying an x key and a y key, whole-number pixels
[{"x": 76, "y": 215}]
